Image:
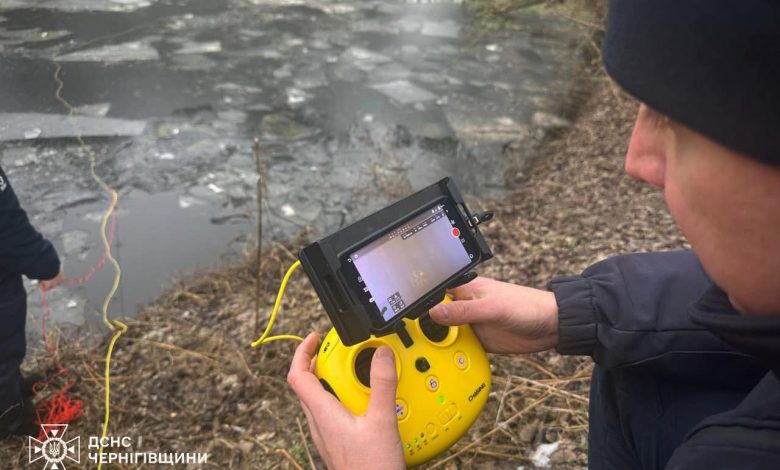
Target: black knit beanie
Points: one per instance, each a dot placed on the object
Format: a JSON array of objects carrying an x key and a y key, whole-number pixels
[{"x": 711, "y": 65}]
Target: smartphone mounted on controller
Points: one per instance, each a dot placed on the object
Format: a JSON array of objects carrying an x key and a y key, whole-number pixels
[{"x": 396, "y": 263}]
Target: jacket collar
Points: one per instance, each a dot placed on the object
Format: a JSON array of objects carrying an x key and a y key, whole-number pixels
[{"x": 757, "y": 335}]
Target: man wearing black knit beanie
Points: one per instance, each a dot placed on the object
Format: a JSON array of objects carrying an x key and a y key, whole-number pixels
[{"x": 686, "y": 344}]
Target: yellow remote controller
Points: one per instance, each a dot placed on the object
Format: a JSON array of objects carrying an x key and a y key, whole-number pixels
[{"x": 443, "y": 381}]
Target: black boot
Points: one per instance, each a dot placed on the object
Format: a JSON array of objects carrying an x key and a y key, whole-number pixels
[{"x": 19, "y": 420}]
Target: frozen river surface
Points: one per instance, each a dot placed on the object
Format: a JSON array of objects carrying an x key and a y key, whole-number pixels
[{"x": 356, "y": 103}]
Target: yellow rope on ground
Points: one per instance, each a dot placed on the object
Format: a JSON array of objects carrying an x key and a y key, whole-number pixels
[
  {"x": 122, "y": 328},
  {"x": 264, "y": 338}
]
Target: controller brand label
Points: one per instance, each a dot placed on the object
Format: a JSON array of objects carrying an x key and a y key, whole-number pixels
[{"x": 477, "y": 391}]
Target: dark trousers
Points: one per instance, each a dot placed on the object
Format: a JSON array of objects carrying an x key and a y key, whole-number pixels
[
  {"x": 13, "y": 314},
  {"x": 639, "y": 416}
]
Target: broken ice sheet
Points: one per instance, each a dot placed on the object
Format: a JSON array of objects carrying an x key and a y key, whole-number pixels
[
  {"x": 18, "y": 126},
  {"x": 193, "y": 62},
  {"x": 283, "y": 127},
  {"x": 311, "y": 78},
  {"x": 200, "y": 47},
  {"x": 96, "y": 110},
  {"x": 287, "y": 210},
  {"x": 231, "y": 87},
  {"x": 66, "y": 199},
  {"x": 337, "y": 9},
  {"x": 363, "y": 59},
  {"x": 79, "y": 5},
  {"x": 75, "y": 242},
  {"x": 128, "y": 51},
  {"x": 391, "y": 71},
  {"x": 32, "y": 133},
  {"x": 20, "y": 156},
  {"x": 285, "y": 71},
  {"x": 374, "y": 26},
  {"x": 186, "y": 202},
  {"x": 33, "y": 35},
  {"x": 277, "y": 2},
  {"x": 549, "y": 121},
  {"x": 404, "y": 92},
  {"x": 232, "y": 115},
  {"x": 199, "y": 193},
  {"x": 440, "y": 30},
  {"x": 296, "y": 96},
  {"x": 229, "y": 218}
]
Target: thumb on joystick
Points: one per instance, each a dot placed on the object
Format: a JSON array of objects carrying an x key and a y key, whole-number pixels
[{"x": 383, "y": 384}]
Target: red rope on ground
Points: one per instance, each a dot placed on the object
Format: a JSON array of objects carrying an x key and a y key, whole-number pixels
[{"x": 58, "y": 407}]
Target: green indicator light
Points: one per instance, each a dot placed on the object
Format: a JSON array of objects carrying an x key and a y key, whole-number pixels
[
  {"x": 415, "y": 441},
  {"x": 408, "y": 446},
  {"x": 441, "y": 399}
]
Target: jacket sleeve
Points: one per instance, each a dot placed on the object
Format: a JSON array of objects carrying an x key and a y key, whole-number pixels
[
  {"x": 633, "y": 309},
  {"x": 22, "y": 249}
]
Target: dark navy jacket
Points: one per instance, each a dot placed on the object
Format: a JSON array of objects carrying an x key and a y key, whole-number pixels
[
  {"x": 22, "y": 249},
  {"x": 661, "y": 311}
]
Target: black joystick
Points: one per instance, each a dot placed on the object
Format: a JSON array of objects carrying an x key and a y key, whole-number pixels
[
  {"x": 433, "y": 331},
  {"x": 363, "y": 366}
]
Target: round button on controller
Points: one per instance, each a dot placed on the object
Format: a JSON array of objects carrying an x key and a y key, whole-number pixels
[
  {"x": 461, "y": 360},
  {"x": 401, "y": 409},
  {"x": 432, "y": 383}
]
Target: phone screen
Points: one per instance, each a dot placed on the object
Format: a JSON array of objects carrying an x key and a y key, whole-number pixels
[{"x": 402, "y": 266}]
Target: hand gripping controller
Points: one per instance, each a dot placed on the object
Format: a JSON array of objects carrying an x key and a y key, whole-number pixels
[{"x": 443, "y": 381}]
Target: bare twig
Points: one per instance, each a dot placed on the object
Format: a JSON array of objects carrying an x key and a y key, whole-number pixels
[
  {"x": 289, "y": 253},
  {"x": 537, "y": 366},
  {"x": 259, "y": 196},
  {"x": 305, "y": 444},
  {"x": 580, "y": 22},
  {"x": 173, "y": 347},
  {"x": 503, "y": 456},
  {"x": 290, "y": 458},
  {"x": 245, "y": 365},
  {"x": 552, "y": 389},
  {"x": 502, "y": 401}
]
